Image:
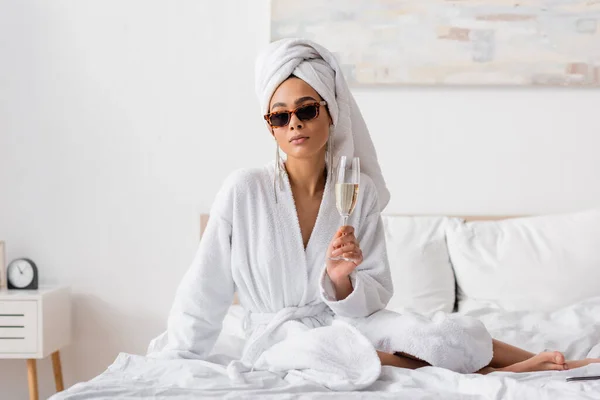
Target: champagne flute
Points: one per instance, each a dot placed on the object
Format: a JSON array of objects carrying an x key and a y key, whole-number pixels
[{"x": 346, "y": 189}]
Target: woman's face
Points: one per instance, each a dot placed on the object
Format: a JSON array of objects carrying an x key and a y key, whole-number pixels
[{"x": 300, "y": 139}]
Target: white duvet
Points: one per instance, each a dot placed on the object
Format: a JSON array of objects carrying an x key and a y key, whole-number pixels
[{"x": 574, "y": 330}]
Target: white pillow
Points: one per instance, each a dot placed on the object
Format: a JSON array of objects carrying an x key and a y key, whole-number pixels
[
  {"x": 419, "y": 263},
  {"x": 528, "y": 264}
]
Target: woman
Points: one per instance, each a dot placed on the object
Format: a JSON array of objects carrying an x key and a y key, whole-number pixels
[{"x": 272, "y": 233}]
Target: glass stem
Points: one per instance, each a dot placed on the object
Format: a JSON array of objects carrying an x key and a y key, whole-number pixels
[{"x": 345, "y": 220}]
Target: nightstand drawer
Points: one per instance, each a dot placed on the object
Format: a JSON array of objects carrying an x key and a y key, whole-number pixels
[{"x": 18, "y": 326}]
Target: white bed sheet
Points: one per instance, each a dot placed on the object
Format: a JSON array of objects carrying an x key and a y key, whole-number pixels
[{"x": 574, "y": 330}]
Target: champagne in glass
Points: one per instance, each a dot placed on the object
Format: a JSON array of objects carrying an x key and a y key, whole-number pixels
[
  {"x": 346, "y": 189},
  {"x": 345, "y": 199}
]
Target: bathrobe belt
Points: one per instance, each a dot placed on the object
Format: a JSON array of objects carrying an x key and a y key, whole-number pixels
[{"x": 272, "y": 321}]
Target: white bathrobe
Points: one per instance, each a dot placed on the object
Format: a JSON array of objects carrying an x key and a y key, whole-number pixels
[{"x": 253, "y": 246}]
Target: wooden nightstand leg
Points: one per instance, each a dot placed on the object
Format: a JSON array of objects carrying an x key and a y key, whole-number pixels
[
  {"x": 57, "y": 368},
  {"x": 32, "y": 378}
]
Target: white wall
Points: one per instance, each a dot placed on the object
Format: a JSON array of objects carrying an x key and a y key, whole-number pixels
[{"x": 119, "y": 120}]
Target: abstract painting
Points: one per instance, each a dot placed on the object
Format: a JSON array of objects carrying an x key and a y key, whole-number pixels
[{"x": 452, "y": 42}]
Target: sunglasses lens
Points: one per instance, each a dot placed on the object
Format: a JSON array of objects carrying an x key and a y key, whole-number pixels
[
  {"x": 307, "y": 112},
  {"x": 280, "y": 119}
]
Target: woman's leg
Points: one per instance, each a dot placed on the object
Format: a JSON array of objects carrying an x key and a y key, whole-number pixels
[
  {"x": 505, "y": 354},
  {"x": 398, "y": 360},
  {"x": 511, "y": 358},
  {"x": 514, "y": 359},
  {"x": 505, "y": 358}
]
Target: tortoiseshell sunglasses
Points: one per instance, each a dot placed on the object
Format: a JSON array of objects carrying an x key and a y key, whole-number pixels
[{"x": 305, "y": 112}]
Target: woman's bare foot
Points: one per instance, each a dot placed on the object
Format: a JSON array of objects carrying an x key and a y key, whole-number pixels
[
  {"x": 546, "y": 361},
  {"x": 582, "y": 363}
]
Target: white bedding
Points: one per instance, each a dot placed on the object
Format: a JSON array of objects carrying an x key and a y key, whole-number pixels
[{"x": 574, "y": 330}]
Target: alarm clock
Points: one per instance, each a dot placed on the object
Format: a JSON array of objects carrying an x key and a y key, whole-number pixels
[{"x": 22, "y": 274}]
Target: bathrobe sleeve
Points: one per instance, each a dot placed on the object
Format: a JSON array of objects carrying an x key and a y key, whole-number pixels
[
  {"x": 371, "y": 280},
  {"x": 205, "y": 292}
]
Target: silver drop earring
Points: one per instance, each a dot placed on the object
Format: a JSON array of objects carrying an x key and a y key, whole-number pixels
[
  {"x": 329, "y": 156},
  {"x": 277, "y": 170}
]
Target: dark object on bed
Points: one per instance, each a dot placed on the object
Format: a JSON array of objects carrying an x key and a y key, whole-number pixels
[{"x": 583, "y": 378}]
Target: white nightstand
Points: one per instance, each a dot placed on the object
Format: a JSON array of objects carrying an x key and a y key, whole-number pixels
[{"x": 33, "y": 325}]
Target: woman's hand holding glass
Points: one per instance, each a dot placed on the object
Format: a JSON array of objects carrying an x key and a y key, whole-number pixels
[{"x": 344, "y": 244}]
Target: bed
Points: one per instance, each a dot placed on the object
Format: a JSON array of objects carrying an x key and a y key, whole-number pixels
[{"x": 455, "y": 264}]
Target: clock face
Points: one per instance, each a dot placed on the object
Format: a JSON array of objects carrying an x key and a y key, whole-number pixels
[{"x": 20, "y": 273}]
